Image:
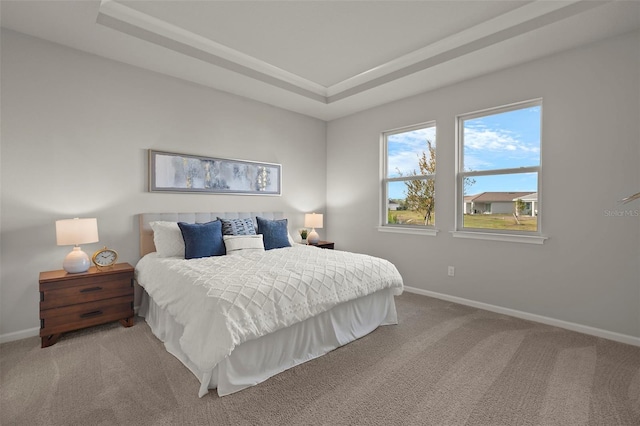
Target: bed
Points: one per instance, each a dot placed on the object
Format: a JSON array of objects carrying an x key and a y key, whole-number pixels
[{"x": 238, "y": 319}]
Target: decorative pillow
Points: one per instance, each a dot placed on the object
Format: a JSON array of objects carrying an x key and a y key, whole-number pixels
[
  {"x": 243, "y": 243},
  {"x": 202, "y": 239},
  {"x": 237, "y": 226},
  {"x": 167, "y": 239},
  {"x": 275, "y": 233}
]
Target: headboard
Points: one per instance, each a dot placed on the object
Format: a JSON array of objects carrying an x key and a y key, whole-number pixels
[{"x": 146, "y": 233}]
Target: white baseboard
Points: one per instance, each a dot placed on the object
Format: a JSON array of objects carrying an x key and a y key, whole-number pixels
[
  {"x": 18, "y": 335},
  {"x": 618, "y": 337},
  {"x": 31, "y": 332}
]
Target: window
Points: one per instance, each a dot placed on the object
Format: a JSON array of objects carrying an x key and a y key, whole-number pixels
[
  {"x": 408, "y": 181},
  {"x": 498, "y": 183}
]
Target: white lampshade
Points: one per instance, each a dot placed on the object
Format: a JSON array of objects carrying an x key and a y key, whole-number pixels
[
  {"x": 75, "y": 232},
  {"x": 72, "y": 232},
  {"x": 313, "y": 220}
]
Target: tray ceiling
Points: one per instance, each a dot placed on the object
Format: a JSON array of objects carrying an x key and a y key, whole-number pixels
[{"x": 326, "y": 59}]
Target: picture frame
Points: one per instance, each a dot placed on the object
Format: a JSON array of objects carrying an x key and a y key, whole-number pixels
[{"x": 174, "y": 172}]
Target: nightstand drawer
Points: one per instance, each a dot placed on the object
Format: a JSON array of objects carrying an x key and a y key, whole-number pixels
[
  {"x": 73, "y": 301},
  {"x": 59, "y": 320},
  {"x": 97, "y": 289}
]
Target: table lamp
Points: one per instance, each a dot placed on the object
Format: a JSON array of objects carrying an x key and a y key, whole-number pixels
[
  {"x": 73, "y": 232},
  {"x": 313, "y": 221}
]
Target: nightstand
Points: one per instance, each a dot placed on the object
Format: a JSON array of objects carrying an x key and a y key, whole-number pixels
[
  {"x": 324, "y": 244},
  {"x": 73, "y": 301}
]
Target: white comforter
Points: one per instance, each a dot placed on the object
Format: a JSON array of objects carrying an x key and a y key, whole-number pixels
[{"x": 224, "y": 301}]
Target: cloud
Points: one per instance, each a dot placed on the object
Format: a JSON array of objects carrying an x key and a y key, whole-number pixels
[
  {"x": 488, "y": 148},
  {"x": 406, "y": 162},
  {"x": 472, "y": 162},
  {"x": 405, "y": 148},
  {"x": 478, "y": 137}
]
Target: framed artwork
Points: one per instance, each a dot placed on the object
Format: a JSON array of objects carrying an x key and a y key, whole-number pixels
[{"x": 172, "y": 172}]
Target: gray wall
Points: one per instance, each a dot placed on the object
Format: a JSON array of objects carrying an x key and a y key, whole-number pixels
[
  {"x": 75, "y": 129},
  {"x": 588, "y": 271},
  {"x": 75, "y": 133}
]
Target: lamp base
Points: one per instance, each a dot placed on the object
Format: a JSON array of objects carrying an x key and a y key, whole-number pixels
[
  {"x": 313, "y": 237},
  {"x": 76, "y": 261}
]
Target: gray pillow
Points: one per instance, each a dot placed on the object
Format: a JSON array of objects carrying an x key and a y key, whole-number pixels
[{"x": 237, "y": 226}]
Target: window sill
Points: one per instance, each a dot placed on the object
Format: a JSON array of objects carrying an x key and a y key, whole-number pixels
[
  {"x": 512, "y": 238},
  {"x": 408, "y": 230}
]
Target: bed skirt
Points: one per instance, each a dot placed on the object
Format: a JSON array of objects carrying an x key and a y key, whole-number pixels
[{"x": 256, "y": 360}]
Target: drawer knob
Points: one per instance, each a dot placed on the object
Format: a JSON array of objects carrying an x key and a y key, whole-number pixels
[
  {"x": 90, "y": 289},
  {"x": 91, "y": 314}
]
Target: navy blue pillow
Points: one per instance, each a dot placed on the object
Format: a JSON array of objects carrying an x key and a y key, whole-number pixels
[
  {"x": 274, "y": 233},
  {"x": 202, "y": 239}
]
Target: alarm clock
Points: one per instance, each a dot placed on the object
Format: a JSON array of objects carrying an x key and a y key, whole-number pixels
[{"x": 104, "y": 258}]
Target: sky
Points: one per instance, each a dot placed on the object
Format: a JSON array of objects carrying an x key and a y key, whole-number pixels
[{"x": 500, "y": 141}]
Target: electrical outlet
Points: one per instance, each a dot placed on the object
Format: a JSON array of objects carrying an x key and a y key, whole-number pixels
[{"x": 451, "y": 271}]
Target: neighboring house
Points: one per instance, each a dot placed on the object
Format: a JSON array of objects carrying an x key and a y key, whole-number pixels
[
  {"x": 500, "y": 202},
  {"x": 393, "y": 206},
  {"x": 531, "y": 204}
]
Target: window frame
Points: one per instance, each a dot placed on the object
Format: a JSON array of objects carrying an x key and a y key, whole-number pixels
[
  {"x": 535, "y": 237},
  {"x": 383, "y": 223}
]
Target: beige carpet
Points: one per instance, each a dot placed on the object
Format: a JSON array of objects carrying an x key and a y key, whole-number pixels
[{"x": 444, "y": 364}]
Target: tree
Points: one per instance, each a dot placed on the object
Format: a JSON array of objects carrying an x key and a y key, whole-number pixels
[
  {"x": 520, "y": 206},
  {"x": 467, "y": 183},
  {"x": 421, "y": 192}
]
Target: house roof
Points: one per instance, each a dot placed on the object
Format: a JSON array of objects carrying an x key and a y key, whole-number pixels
[
  {"x": 496, "y": 197},
  {"x": 530, "y": 197}
]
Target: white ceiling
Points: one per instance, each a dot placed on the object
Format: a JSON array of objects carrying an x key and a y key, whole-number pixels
[{"x": 326, "y": 59}]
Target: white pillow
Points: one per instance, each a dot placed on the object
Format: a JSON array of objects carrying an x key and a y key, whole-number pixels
[
  {"x": 243, "y": 243},
  {"x": 168, "y": 239}
]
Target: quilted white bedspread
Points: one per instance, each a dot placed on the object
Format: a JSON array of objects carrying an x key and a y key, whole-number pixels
[{"x": 224, "y": 301}]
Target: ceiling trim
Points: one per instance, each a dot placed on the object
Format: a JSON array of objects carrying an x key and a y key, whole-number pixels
[
  {"x": 529, "y": 17},
  {"x": 140, "y": 25},
  {"x": 504, "y": 27}
]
